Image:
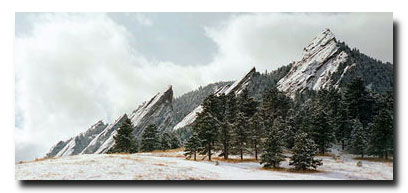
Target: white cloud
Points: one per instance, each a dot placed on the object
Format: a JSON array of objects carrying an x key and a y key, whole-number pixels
[
  {"x": 268, "y": 41},
  {"x": 75, "y": 69},
  {"x": 140, "y": 18}
]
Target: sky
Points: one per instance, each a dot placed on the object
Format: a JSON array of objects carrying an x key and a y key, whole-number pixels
[{"x": 73, "y": 69}]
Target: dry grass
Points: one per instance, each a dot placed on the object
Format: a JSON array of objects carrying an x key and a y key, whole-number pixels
[
  {"x": 325, "y": 155},
  {"x": 167, "y": 151},
  {"x": 375, "y": 159},
  {"x": 130, "y": 158},
  {"x": 234, "y": 160},
  {"x": 37, "y": 160},
  {"x": 119, "y": 153},
  {"x": 291, "y": 170},
  {"x": 160, "y": 164}
]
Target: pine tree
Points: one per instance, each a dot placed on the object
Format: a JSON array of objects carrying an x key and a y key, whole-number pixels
[
  {"x": 227, "y": 125},
  {"x": 124, "y": 139},
  {"x": 174, "y": 141},
  {"x": 358, "y": 101},
  {"x": 304, "y": 152},
  {"x": 342, "y": 126},
  {"x": 193, "y": 146},
  {"x": 240, "y": 135},
  {"x": 257, "y": 133},
  {"x": 381, "y": 142},
  {"x": 323, "y": 133},
  {"x": 245, "y": 123},
  {"x": 273, "y": 152},
  {"x": 150, "y": 139},
  {"x": 275, "y": 103},
  {"x": 207, "y": 126},
  {"x": 165, "y": 141},
  {"x": 322, "y": 126},
  {"x": 227, "y": 105},
  {"x": 247, "y": 105},
  {"x": 359, "y": 138},
  {"x": 290, "y": 129}
]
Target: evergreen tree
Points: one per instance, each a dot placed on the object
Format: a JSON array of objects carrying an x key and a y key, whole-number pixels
[
  {"x": 165, "y": 141},
  {"x": 124, "y": 139},
  {"x": 275, "y": 103},
  {"x": 174, "y": 141},
  {"x": 323, "y": 133},
  {"x": 150, "y": 139},
  {"x": 322, "y": 125},
  {"x": 193, "y": 146},
  {"x": 246, "y": 124},
  {"x": 304, "y": 152},
  {"x": 206, "y": 125},
  {"x": 273, "y": 152},
  {"x": 225, "y": 138},
  {"x": 381, "y": 142},
  {"x": 257, "y": 133},
  {"x": 240, "y": 135},
  {"x": 290, "y": 129},
  {"x": 358, "y": 101},
  {"x": 359, "y": 138},
  {"x": 247, "y": 105},
  {"x": 226, "y": 105},
  {"x": 342, "y": 126}
]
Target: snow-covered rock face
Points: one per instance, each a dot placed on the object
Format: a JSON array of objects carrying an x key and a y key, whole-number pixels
[
  {"x": 320, "y": 60},
  {"x": 77, "y": 144},
  {"x": 99, "y": 138},
  {"x": 158, "y": 111},
  {"x": 104, "y": 139},
  {"x": 236, "y": 87}
]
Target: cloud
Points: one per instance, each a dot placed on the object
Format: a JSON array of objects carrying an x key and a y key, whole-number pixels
[
  {"x": 268, "y": 41},
  {"x": 140, "y": 18},
  {"x": 75, "y": 69}
]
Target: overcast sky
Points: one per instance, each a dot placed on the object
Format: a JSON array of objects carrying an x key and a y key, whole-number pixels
[{"x": 75, "y": 69}]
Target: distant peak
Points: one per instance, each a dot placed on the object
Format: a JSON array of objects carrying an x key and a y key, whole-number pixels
[
  {"x": 170, "y": 88},
  {"x": 169, "y": 92},
  {"x": 323, "y": 39},
  {"x": 326, "y": 34}
]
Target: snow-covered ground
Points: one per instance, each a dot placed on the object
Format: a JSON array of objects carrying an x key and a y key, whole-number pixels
[{"x": 173, "y": 166}]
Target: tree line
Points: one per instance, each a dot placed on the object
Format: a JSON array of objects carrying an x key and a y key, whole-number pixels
[
  {"x": 151, "y": 139},
  {"x": 354, "y": 116}
]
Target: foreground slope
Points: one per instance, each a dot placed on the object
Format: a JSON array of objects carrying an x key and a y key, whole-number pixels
[{"x": 173, "y": 166}]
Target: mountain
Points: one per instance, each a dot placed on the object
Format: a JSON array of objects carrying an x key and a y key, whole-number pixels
[
  {"x": 99, "y": 138},
  {"x": 76, "y": 144},
  {"x": 327, "y": 62},
  {"x": 236, "y": 87},
  {"x": 158, "y": 111},
  {"x": 187, "y": 102}
]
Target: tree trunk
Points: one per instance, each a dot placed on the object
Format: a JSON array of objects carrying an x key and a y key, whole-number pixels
[
  {"x": 195, "y": 156},
  {"x": 209, "y": 151},
  {"x": 322, "y": 151},
  {"x": 242, "y": 155},
  {"x": 225, "y": 151},
  {"x": 342, "y": 144},
  {"x": 256, "y": 152}
]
